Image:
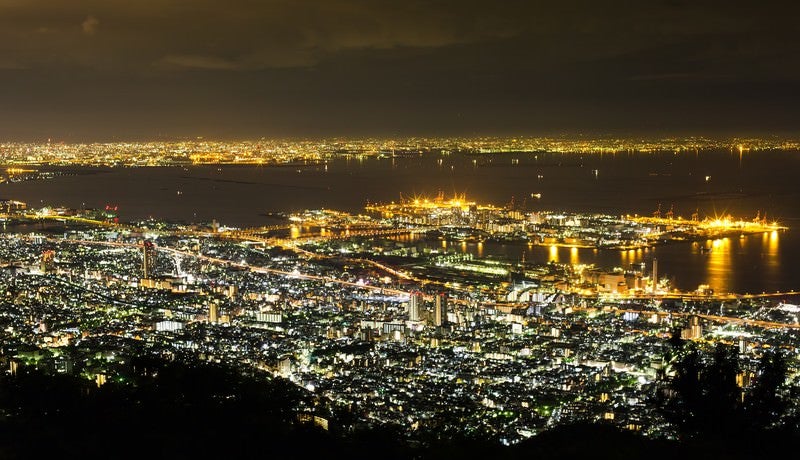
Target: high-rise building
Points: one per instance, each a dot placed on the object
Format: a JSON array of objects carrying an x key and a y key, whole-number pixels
[
  {"x": 213, "y": 312},
  {"x": 742, "y": 345},
  {"x": 148, "y": 259},
  {"x": 48, "y": 261},
  {"x": 694, "y": 329},
  {"x": 655, "y": 274},
  {"x": 440, "y": 309},
  {"x": 414, "y": 305}
]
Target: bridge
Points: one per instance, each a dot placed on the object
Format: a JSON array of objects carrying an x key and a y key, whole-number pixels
[
  {"x": 63, "y": 218},
  {"x": 715, "y": 318},
  {"x": 347, "y": 233},
  {"x": 709, "y": 297},
  {"x": 253, "y": 231}
]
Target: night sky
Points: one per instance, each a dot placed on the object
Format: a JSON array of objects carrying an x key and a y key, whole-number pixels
[{"x": 157, "y": 69}]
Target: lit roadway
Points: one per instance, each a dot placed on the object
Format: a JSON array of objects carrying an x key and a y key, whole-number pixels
[
  {"x": 292, "y": 244},
  {"x": 252, "y": 235},
  {"x": 230, "y": 263}
]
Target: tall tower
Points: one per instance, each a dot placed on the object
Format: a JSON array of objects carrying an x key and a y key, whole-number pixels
[
  {"x": 440, "y": 309},
  {"x": 414, "y": 305},
  {"x": 655, "y": 274},
  {"x": 148, "y": 259}
]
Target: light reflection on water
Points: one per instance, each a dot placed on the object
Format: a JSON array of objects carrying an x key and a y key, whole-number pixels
[
  {"x": 743, "y": 186},
  {"x": 729, "y": 264},
  {"x": 719, "y": 267}
]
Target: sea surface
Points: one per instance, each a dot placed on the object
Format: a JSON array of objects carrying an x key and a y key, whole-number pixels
[{"x": 710, "y": 183}]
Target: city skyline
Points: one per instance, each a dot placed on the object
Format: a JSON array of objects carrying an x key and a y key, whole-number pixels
[
  {"x": 420, "y": 228},
  {"x": 96, "y": 71}
]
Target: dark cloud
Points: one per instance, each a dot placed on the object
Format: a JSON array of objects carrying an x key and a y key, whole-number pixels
[
  {"x": 250, "y": 68},
  {"x": 198, "y": 62},
  {"x": 245, "y": 34}
]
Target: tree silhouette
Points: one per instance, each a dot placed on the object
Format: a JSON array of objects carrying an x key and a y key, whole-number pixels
[
  {"x": 767, "y": 402},
  {"x": 721, "y": 407},
  {"x": 707, "y": 395}
]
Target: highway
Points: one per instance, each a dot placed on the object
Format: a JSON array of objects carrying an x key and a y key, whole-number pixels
[{"x": 715, "y": 318}]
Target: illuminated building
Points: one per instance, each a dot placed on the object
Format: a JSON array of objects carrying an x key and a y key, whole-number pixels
[
  {"x": 148, "y": 259},
  {"x": 655, "y": 274},
  {"x": 110, "y": 214},
  {"x": 11, "y": 206},
  {"x": 213, "y": 312},
  {"x": 695, "y": 329},
  {"x": 440, "y": 309},
  {"x": 414, "y": 304},
  {"x": 48, "y": 261}
]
